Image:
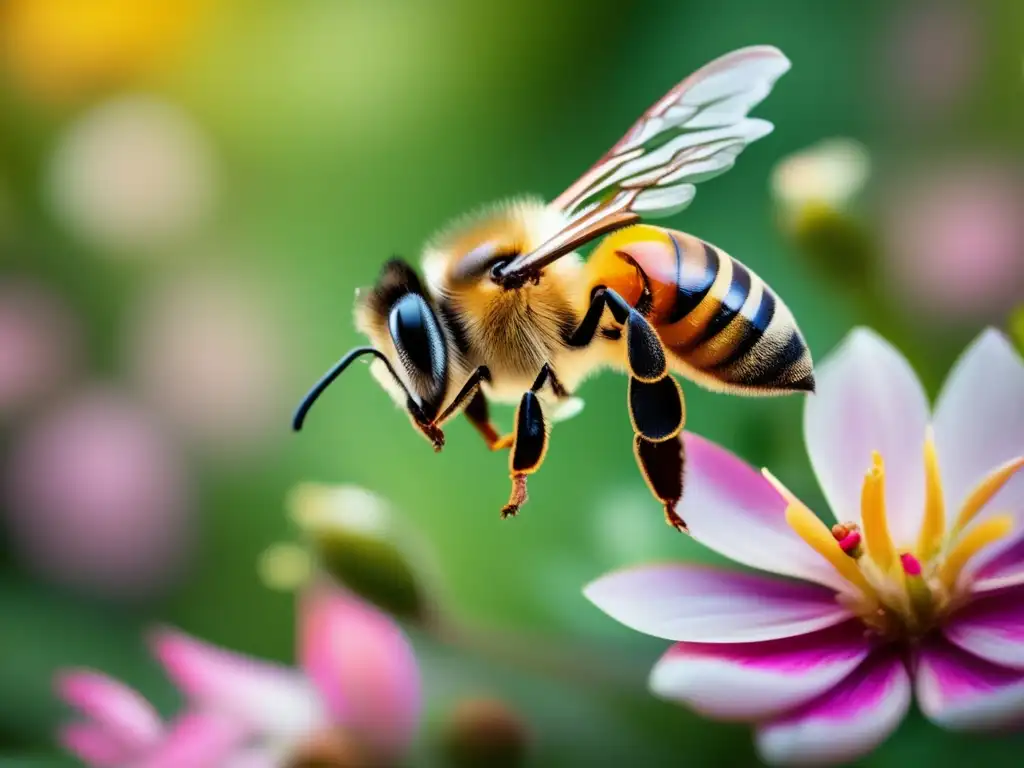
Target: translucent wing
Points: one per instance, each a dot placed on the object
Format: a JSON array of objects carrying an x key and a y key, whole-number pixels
[{"x": 692, "y": 134}]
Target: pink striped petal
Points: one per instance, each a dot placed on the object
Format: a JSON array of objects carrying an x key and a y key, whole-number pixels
[
  {"x": 94, "y": 745},
  {"x": 122, "y": 712},
  {"x": 845, "y": 723},
  {"x": 733, "y": 510},
  {"x": 960, "y": 691},
  {"x": 274, "y": 699},
  {"x": 1004, "y": 570},
  {"x": 362, "y": 665},
  {"x": 992, "y": 628},
  {"x": 979, "y": 425},
  {"x": 869, "y": 399},
  {"x": 698, "y": 604},
  {"x": 757, "y": 681},
  {"x": 197, "y": 740}
]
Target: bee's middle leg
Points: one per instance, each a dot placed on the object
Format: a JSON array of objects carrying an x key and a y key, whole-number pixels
[{"x": 529, "y": 441}]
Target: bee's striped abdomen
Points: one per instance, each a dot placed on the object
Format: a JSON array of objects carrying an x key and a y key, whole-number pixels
[{"x": 720, "y": 322}]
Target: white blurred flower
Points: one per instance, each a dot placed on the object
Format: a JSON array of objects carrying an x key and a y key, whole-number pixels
[
  {"x": 955, "y": 238},
  {"x": 38, "y": 344},
  {"x": 829, "y": 173},
  {"x": 97, "y": 499},
  {"x": 132, "y": 175},
  {"x": 206, "y": 351}
]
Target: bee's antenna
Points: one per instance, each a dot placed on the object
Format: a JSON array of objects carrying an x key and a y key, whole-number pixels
[{"x": 330, "y": 376}]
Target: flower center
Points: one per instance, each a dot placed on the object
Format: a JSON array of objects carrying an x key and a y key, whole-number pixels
[{"x": 905, "y": 591}]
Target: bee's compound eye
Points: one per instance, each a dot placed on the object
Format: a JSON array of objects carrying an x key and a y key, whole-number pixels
[{"x": 418, "y": 338}]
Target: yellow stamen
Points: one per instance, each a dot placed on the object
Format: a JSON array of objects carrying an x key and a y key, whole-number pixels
[
  {"x": 876, "y": 528},
  {"x": 985, "y": 490},
  {"x": 819, "y": 538},
  {"x": 933, "y": 528},
  {"x": 972, "y": 542}
]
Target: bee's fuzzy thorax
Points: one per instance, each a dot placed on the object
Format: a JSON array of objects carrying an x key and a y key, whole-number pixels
[{"x": 515, "y": 331}]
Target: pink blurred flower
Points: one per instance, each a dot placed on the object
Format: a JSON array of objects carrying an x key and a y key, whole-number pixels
[
  {"x": 38, "y": 344},
  {"x": 98, "y": 499},
  {"x": 955, "y": 239},
  {"x": 356, "y": 693},
  {"x": 206, "y": 350},
  {"x": 118, "y": 726},
  {"x": 900, "y": 597}
]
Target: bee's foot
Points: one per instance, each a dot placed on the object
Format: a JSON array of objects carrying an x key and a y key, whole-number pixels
[
  {"x": 675, "y": 520},
  {"x": 435, "y": 435},
  {"x": 517, "y": 498}
]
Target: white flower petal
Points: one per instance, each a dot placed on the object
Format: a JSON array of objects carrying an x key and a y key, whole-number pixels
[
  {"x": 869, "y": 399},
  {"x": 731, "y": 508},
  {"x": 979, "y": 425},
  {"x": 709, "y": 605}
]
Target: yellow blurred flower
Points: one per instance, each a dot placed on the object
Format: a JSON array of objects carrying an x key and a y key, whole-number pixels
[{"x": 57, "y": 49}]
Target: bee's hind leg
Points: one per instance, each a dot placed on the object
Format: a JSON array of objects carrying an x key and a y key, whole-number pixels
[
  {"x": 656, "y": 407},
  {"x": 529, "y": 440},
  {"x": 658, "y": 414},
  {"x": 663, "y": 466}
]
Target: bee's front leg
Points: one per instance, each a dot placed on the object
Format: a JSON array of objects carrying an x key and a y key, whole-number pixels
[{"x": 427, "y": 427}]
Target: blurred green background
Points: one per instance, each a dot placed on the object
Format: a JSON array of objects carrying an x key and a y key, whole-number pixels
[{"x": 190, "y": 194}]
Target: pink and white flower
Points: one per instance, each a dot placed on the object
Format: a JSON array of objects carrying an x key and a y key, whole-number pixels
[
  {"x": 354, "y": 698},
  {"x": 918, "y": 588}
]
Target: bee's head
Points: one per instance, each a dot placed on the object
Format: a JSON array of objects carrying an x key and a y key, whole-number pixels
[
  {"x": 409, "y": 345},
  {"x": 420, "y": 347},
  {"x": 399, "y": 319}
]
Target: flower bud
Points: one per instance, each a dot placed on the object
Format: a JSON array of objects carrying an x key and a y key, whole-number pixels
[
  {"x": 836, "y": 244},
  {"x": 485, "y": 732},
  {"x": 813, "y": 190},
  {"x": 332, "y": 749},
  {"x": 356, "y": 538}
]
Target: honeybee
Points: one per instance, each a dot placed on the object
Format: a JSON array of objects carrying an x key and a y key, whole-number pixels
[{"x": 507, "y": 311}]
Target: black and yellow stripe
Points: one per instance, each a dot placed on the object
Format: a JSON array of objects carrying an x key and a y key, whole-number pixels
[
  {"x": 749, "y": 338},
  {"x": 722, "y": 323}
]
